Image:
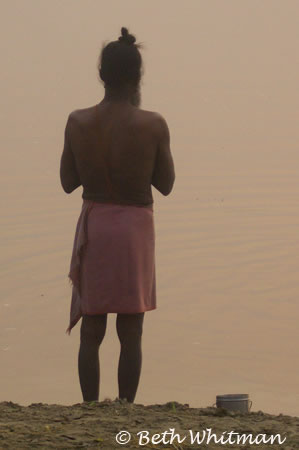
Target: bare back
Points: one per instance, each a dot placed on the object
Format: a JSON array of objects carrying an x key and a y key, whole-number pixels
[{"x": 120, "y": 151}]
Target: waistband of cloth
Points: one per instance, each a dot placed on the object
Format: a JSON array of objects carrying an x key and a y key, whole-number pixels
[{"x": 91, "y": 203}]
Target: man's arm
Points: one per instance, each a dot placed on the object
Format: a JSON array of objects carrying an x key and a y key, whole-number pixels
[
  {"x": 69, "y": 176},
  {"x": 164, "y": 174}
]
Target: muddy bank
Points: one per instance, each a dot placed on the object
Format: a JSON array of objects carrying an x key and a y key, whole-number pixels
[{"x": 95, "y": 425}]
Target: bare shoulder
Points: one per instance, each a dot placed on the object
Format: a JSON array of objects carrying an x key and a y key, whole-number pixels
[
  {"x": 155, "y": 120},
  {"x": 150, "y": 115},
  {"x": 82, "y": 115},
  {"x": 160, "y": 126}
]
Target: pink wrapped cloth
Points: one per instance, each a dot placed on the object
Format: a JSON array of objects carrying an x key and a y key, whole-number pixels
[{"x": 113, "y": 261}]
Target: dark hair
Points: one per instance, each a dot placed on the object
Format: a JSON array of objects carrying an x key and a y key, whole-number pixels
[{"x": 120, "y": 61}]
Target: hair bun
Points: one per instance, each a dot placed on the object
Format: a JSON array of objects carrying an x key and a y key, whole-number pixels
[{"x": 126, "y": 37}]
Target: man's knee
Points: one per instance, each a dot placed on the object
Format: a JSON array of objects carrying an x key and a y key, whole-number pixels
[
  {"x": 93, "y": 329},
  {"x": 129, "y": 327}
]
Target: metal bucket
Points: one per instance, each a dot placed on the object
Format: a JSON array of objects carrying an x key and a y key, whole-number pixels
[{"x": 234, "y": 402}]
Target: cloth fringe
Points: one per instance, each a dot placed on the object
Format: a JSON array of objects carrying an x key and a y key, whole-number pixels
[{"x": 80, "y": 242}]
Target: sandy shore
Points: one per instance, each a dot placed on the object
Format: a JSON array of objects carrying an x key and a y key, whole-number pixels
[{"x": 96, "y": 424}]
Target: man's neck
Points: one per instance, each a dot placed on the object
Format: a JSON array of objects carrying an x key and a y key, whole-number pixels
[{"x": 130, "y": 95}]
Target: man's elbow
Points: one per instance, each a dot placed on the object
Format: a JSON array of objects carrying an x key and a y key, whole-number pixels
[
  {"x": 167, "y": 187},
  {"x": 166, "y": 190},
  {"x": 69, "y": 187}
]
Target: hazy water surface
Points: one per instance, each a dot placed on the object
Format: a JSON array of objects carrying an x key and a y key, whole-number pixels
[{"x": 225, "y": 76}]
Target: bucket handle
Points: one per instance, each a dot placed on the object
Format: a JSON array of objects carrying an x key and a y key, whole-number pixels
[{"x": 249, "y": 407}]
